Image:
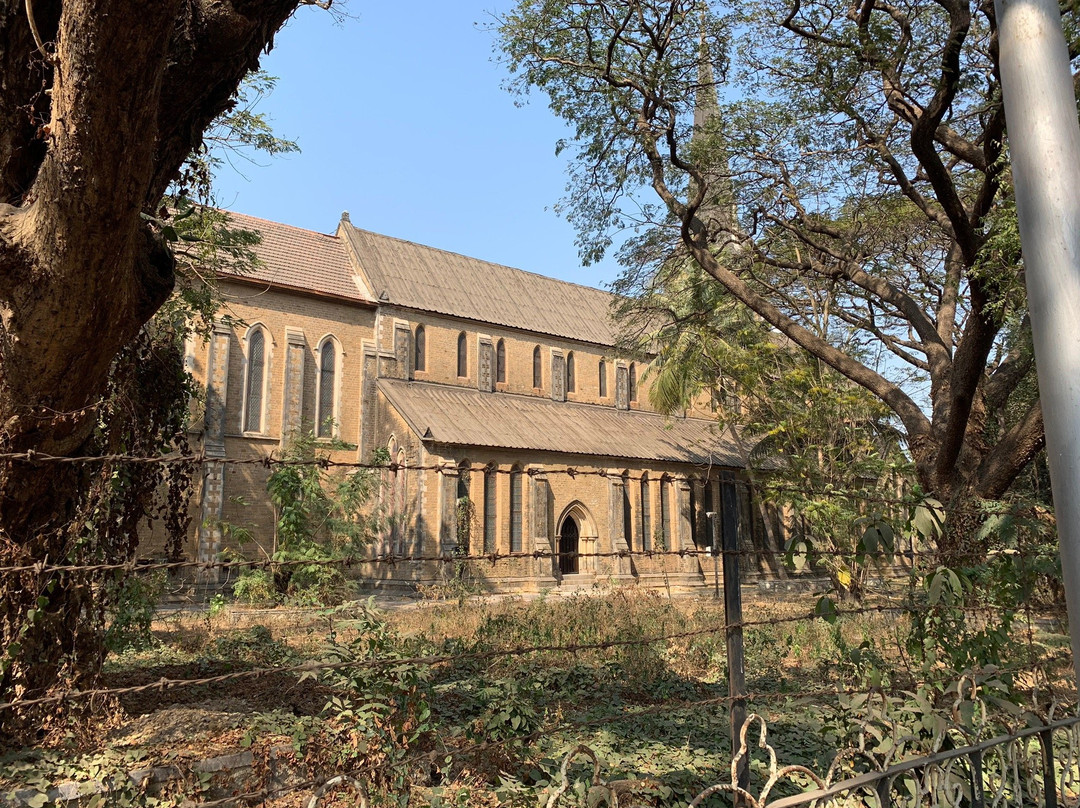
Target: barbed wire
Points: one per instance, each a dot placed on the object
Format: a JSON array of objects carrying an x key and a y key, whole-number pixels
[
  {"x": 860, "y": 497},
  {"x": 165, "y": 683},
  {"x": 782, "y": 556}
]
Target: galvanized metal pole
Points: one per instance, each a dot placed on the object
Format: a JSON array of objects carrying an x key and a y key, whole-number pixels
[
  {"x": 733, "y": 618},
  {"x": 1044, "y": 144}
]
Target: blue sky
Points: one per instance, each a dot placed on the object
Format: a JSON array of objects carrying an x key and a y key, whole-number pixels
[{"x": 402, "y": 121}]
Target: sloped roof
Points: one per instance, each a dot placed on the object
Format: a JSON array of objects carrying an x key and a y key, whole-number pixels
[
  {"x": 424, "y": 278},
  {"x": 463, "y": 416},
  {"x": 300, "y": 259}
]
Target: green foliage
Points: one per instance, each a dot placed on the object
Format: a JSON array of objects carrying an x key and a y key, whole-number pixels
[
  {"x": 380, "y": 714},
  {"x": 321, "y": 516},
  {"x": 131, "y": 611}
]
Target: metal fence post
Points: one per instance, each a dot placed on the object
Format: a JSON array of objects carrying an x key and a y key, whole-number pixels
[
  {"x": 1046, "y": 739},
  {"x": 733, "y": 619},
  {"x": 1044, "y": 145},
  {"x": 714, "y": 550}
]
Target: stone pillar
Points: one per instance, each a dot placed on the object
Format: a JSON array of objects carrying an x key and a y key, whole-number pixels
[
  {"x": 485, "y": 361},
  {"x": 622, "y": 386},
  {"x": 217, "y": 383},
  {"x": 369, "y": 375},
  {"x": 540, "y": 524},
  {"x": 558, "y": 375},
  {"x": 617, "y": 523},
  {"x": 403, "y": 349},
  {"x": 448, "y": 528},
  {"x": 212, "y": 500},
  {"x": 292, "y": 405},
  {"x": 683, "y": 537}
]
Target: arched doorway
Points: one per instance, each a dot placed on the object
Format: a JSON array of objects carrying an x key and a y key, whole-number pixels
[{"x": 568, "y": 546}]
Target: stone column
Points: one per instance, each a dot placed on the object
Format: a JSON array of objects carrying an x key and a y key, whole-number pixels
[
  {"x": 217, "y": 383},
  {"x": 558, "y": 375},
  {"x": 292, "y": 406},
  {"x": 212, "y": 500},
  {"x": 369, "y": 375},
  {"x": 539, "y": 523},
  {"x": 617, "y": 523},
  {"x": 403, "y": 349},
  {"x": 448, "y": 485},
  {"x": 485, "y": 361},
  {"x": 683, "y": 536},
  {"x": 622, "y": 386}
]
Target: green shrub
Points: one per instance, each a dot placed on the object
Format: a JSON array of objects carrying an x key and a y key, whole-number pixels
[
  {"x": 255, "y": 587},
  {"x": 134, "y": 600}
]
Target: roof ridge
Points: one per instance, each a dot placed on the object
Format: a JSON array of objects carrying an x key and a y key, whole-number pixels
[
  {"x": 231, "y": 213},
  {"x": 482, "y": 260}
]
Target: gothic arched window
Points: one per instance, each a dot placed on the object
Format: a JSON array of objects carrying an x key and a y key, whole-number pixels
[
  {"x": 602, "y": 376},
  {"x": 420, "y": 349},
  {"x": 255, "y": 381},
  {"x": 462, "y": 355},
  {"x": 538, "y": 368},
  {"x": 500, "y": 361},
  {"x": 571, "y": 381},
  {"x": 326, "y": 395}
]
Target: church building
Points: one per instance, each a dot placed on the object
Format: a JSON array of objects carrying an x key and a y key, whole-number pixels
[{"x": 511, "y": 423}]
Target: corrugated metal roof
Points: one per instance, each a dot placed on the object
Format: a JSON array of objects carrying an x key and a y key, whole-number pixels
[
  {"x": 462, "y": 416},
  {"x": 419, "y": 277},
  {"x": 300, "y": 259}
]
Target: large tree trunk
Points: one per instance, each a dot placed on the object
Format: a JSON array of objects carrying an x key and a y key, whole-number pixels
[{"x": 94, "y": 124}]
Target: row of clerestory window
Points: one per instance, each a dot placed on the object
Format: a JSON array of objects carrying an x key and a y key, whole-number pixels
[
  {"x": 257, "y": 377},
  {"x": 420, "y": 364}
]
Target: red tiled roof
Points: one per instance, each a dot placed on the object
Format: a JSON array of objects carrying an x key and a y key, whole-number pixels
[{"x": 300, "y": 259}]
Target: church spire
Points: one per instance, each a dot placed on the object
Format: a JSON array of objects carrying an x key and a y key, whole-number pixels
[{"x": 718, "y": 211}]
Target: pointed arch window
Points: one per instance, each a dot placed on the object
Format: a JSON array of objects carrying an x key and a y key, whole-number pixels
[
  {"x": 628, "y": 513},
  {"x": 602, "y": 378},
  {"x": 500, "y": 361},
  {"x": 490, "y": 525},
  {"x": 538, "y": 368},
  {"x": 646, "y": 514},
  {"x": 633, "y": 382},
  {"x": 665, "y": 511},
  {"x": 326, "y": 395},
  {"x": 571, "y": 380},
  {"x": 255, "y": 381},
  {"x": 462, "y": 355},
  {"x": 515, "y": 510},
  {"x": 420, "y": 349}
]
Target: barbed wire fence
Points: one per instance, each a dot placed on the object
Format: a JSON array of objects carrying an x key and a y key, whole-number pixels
[{"x": 726, "y": 548}]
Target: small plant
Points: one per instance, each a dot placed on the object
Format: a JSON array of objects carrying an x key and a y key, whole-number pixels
[{"x": 134, "y": 601}]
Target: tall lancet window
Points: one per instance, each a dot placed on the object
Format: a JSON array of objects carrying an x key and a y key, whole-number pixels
[
  {"x": 255, "y": 381},
  {"x": 571, "y": 381},
  {"x": 420, "y": 349},
  {"x": 500, "y": 361},
  {"x": 538, "y": 368},
  {"x": 326, "y": 417},
  {"x": 462, "y": 355}
]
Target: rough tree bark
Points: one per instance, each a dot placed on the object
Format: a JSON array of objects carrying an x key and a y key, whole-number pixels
[{"x": 96, "y": 118}]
